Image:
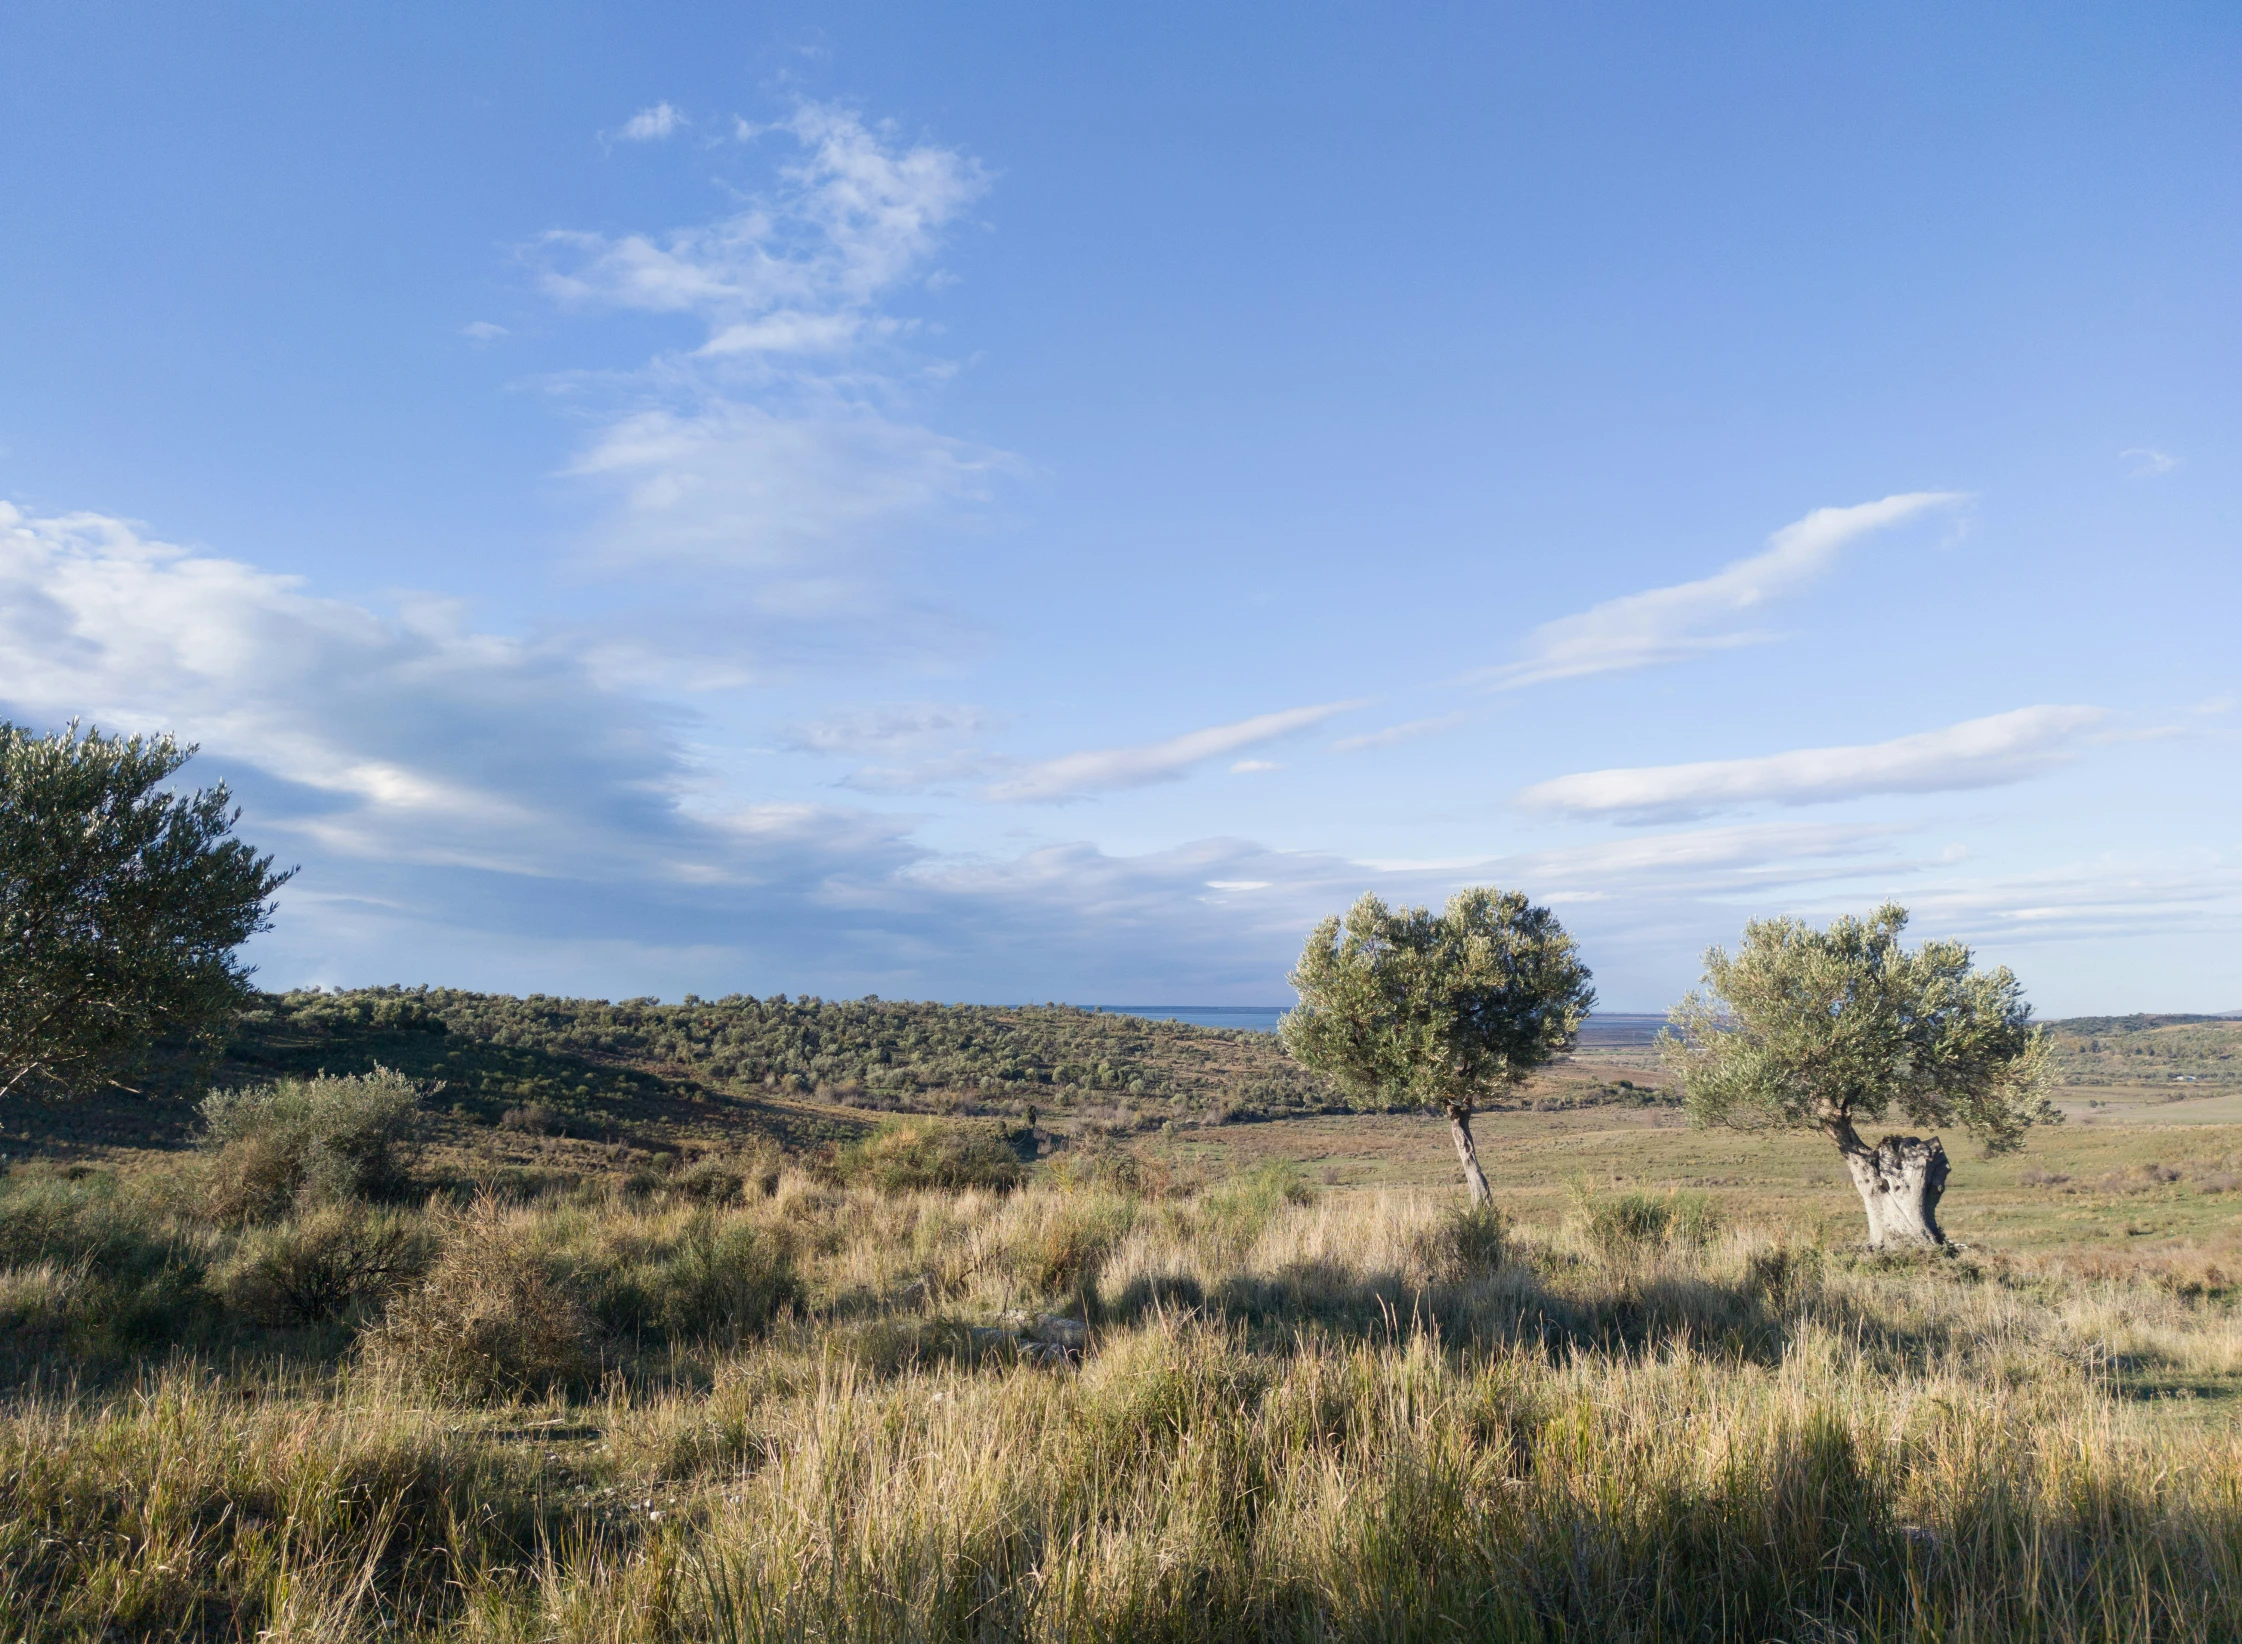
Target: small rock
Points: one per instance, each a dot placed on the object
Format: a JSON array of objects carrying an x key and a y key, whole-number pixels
[{"x": 1060, "y": 1332}]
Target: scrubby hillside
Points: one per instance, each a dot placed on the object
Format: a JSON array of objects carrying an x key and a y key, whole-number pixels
[{"x": 2149, "y": 1051}]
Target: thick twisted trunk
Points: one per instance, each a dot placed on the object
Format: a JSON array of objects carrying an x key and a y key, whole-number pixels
[
  {"x": 1900, "y": 1180},
  {"x": 1459, "y": 1127}
]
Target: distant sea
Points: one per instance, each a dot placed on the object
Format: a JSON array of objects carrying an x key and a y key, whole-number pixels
[
  {"x": 1250, "y": 1018},
  {"x": 1605, "y": 1030}
]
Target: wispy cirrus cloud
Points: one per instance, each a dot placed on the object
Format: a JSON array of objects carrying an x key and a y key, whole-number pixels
[
  {"x": 798, "y": 270},
  {"x": 1104, "y": 770},
  {"x": 779, "y": 458},
  {"x": 1978, "y": 753},
  {"x": 888, "y": 727},
  {"x": 2147, "y": 462},
  {"x": 1714, "y": 613},
  {"x": 739, "y": 487},
  {"x": 1396, "y": 734}
]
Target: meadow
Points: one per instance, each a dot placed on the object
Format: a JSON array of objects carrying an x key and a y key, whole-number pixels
[{"x": 353, "y": 1366}]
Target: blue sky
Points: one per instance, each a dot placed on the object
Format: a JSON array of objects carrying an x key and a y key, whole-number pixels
[{"x": 992, "y": 503}]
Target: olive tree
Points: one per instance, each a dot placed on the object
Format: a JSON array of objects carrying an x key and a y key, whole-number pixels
[
  {"x": 1831, "y": 1029},
  {"x": 1448, "y": 1011},
  {"x": 121, "y": 905}
]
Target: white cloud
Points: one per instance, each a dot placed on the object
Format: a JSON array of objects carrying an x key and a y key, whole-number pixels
[
  {"x": 483, "y": 330},
  {"x": 651, "y": 125},
  {"x": 2113, "y": 897},
  {"x": 2214, "y": 705},
  {"x": 1978, "y": 753},
  {"x": 798, "y": 271},
  {"x": 1706, "y": 859},
  {"x": 1393, "y": 734},
  {"x": 409, "y": 740},
  {"x": 1246, "y": 767},
  {"x": 738, "y": 487},
  {"x": 776, "y": 458},
  {"x": 937, "y": 732},
  {"x": 2147, "y": 462},
  {"x": 484, "y": 811},
  {"x": 1715, "y": 613},
  {"x": 888, "y": 727},
  {"x": 1075, "y": 776}
]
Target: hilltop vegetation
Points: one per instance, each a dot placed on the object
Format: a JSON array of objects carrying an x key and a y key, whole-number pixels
[
  {"x": 2146, "y": 1051},
  {"x": 870, "y": 1053}
]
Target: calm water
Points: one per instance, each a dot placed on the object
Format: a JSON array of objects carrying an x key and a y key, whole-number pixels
[
  {"x": 1606, "y": 1030},
  {"x": 1251, "y": 1018}
]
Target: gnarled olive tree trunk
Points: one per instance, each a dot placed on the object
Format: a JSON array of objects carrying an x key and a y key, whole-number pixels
[
  {"x": 1459, "y": 1127},
  {"x": 1900, "y": 1180}
]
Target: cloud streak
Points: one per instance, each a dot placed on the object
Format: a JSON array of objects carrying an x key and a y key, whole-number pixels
[
  {"x": 1715, "y": 613},
  {"x": 1393, "y": 735},
  {"x": 409, "y": 741},
  {"x": 1978, "y": 753},
  {"x": 777, "y": 461},
  {"x": 1105, "y": 770}
]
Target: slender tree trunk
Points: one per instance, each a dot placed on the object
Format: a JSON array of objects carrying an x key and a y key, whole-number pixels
[
  {"x": 1459, "y": 1127},
  {"x": 1900, "y": 1180}
]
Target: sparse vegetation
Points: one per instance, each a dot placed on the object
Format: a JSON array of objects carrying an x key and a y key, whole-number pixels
[
  {"x": 777, "y": 1369},
  {"x": 1277, "y": 1413}
]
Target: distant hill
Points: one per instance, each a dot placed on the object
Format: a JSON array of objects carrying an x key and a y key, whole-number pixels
[
  {"x": 2149, "y": 1050},
  {"x": 806, "y": 1070}
]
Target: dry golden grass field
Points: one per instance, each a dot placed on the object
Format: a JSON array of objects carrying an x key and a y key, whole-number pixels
[{"x": 749, "y": 1363}]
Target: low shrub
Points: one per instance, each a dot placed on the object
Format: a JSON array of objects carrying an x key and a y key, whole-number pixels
[
  {"x": 492, "y": 1319},
  {"x": 1243, "y": 1204},
  {"x": 1464, "y": 1244},
  {"x": 531, "y": 1120},
  {"x": 1628, "y": 1224},
  {"x": 333, "y": 1262},
  {"x": 723, "y": 1178},
  {"x": 317, "y": 1140},
  {"x": 1101, "y": 1165},
  {"x": 719, "y": 1279},
  {"x": 914, "y": 1155}
]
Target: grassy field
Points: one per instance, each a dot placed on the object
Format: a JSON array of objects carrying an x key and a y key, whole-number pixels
[{"x": 726, "y": 1371}]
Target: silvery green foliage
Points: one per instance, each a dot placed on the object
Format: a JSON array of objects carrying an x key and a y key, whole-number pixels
[
  {"x": 324, "y": 1139},
  {"x": 121, "y": 905},
  {"x": 1824, "y": 1029},
  {"x": 1445, "y": 1010}
]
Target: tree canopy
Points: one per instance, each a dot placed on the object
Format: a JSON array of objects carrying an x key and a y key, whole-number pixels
[
  {"x": 1824, "y": 1028},
  {"x": 122, "y": 906},
  {"x": 1447, "y": 1011}
]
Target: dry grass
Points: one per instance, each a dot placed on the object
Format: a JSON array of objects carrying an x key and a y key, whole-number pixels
[{"x": 809, "y": 1413}]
